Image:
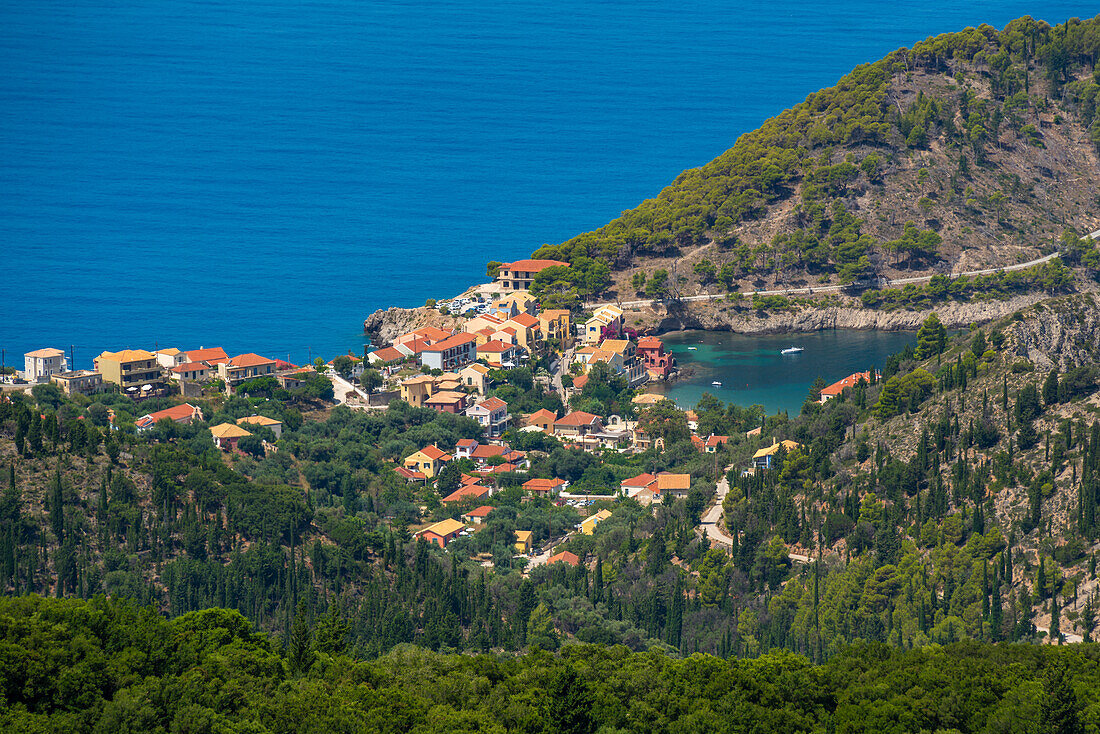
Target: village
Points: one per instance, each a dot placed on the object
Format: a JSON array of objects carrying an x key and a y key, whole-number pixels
[{"x": 459, "y": 372}]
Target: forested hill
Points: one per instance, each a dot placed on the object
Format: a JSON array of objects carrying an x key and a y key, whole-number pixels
[{"x": 970, "y": 150}]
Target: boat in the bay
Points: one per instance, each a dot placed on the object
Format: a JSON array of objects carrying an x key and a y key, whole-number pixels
[{"x": 792, "y": 350}]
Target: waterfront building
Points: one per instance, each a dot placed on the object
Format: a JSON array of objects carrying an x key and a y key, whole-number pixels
[
  {"x": 133, "y": 370},
  {"x": 658, "y": 363},
  {"x": 41, "y": 363},
  {"x": 519, "y": 275},
  {"x": 244, "y": 367},
  {"x": 84, "y": 382},
  {"x": 452, "y": 353}
]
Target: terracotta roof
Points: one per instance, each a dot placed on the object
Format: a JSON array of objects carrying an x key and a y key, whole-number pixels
[
  {"x": 444, "y": 528},
  {"x": 482, "y": 511},
  {"x": 577, "y": 418},
  {"x": 642, "y": 480},
  {"x": 532, "y": 266},
  {"x": 455, "y": 341},
  {"x": 191, "y": 367},
  {"x": 433, "y": 452},
  {"x": 650, "y": 342},
  {"x": 127, "y": 355},
  {"x": 209, "y": 354},
  {"x": 615, "y": 346},
  {"x": 647, "y": 398},
  {"x": 580, "y": 382},
  {"x": 564, "y": 557},
  {"x": 470, "y": 490},
  {"x": 176, "y": 413},
  {"x": 409, "y": 473},
  {"x": 388, "y": 354},
  {"x": 495, "y": 347},
  {"x": 445, "y": 397},
  {"x": 542, "y": 416},
  {"x": 417, "y": 345},
  {"x": 259, "y": 420},
  {"x": 493, "y": 403},
  {"x": 47, "y": 352},
  {"x": 464, "y": 442},
  {"x": 485, "y": 452},
  {"x": 525, "y": 320},
  {"x": 850, "y": 381},
  {"x": 504, "y": 468},
  {"x": 229, "y": 430},
  {"x": 479, "y": 368},
  {"x": 673, "y": 481},
  {"x": 543, "y": 485},
  {"x": 716, "y": 440},
  {"x": 249, "y": 359},
  {"x": 431, "y": 332}
]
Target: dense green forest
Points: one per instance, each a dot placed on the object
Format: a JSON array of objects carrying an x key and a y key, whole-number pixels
[
  {"x": 106, "y": 666},
  {"x": 904, "y": 164}
]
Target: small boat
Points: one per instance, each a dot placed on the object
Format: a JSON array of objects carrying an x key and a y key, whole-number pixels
[
  {"x": 792, "y": 350},
  {"x": 691, "y": 349},
  {"x": 716, "y": 383}
]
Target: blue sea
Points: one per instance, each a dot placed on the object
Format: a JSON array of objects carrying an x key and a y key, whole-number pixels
[{"x": 262, "y": 175}]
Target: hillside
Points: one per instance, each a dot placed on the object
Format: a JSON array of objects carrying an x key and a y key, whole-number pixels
[{"x": 971, "y": 150}]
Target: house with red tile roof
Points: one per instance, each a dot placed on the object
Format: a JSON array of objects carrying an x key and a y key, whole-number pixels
[
  {"x": 244, "y": 367},
  {"x": 713, "y": 442},
  {"x": 451, "y": 354},
  {"x": 429, "y": 460},
  {"x": 191, "y": 371},
  {"x": 182, "y": 414},
  {"x": 447, "y": 401},
  {"x": 442, "y": 533},
  {"x": 210, "y": 355},
  {"x": 545, "y": 487},
  {"x": 492, "y": 415},
  {"x": 386, "y": 356},
  {"x": 564, "y": 557},
  {"x": 497, "y": 353},
  {"x": 631, "y": 487},
  {"x": 519, "y": 275},
  {"x": 543, "y": 419},
  {"x": 475, "y": 491},
  {"x": 411, "y": 476},
  {"x": 834, "y": 390},
  {"x": 478, "y": 515},
  {"x": 578, "y": 424}
]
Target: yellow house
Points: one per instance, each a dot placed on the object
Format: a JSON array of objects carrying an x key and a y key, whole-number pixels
[
  {"x": 429, "y": 461},
  {"x": 605, "y": 316},
  {"x": 588, "y": 526},
  {"x": 416, "y": 390},
  {"x": 762, "y": 459},
  {"x": 527, "y": 330},
  {"x": 475, "y": 376},
  {"x": 557, "y": 324},
  {"x": 130, "y": 368},
  {"x": 523, "y": 541}
]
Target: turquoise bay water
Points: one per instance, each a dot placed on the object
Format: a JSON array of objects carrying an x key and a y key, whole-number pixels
[
  {"x": 261, "y": 175},
  {"x": 754, "y": 372}
]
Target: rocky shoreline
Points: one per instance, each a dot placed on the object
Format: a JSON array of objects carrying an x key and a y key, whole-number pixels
[{"x": 385, "y": 324}]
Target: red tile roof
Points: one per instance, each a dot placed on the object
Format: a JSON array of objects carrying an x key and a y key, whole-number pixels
[
  {"x": 564, "y": 557},
  {"x": 541, "y": 416},
  {"x": 388, "y": 354},
  {"x": 470, "y": 490},
  {"x": 455, "y": 341},
  {"x": 176, "y": 413},
  {"x": 580, "y": 382},
  {"x": 433, "y": 452},
  {"x": 492, "y": 404},
  {"x": 526, "y": 319},
  {"x": 495, "y": 347},
  {"x": 850, "y": 381},
  {"x": 577, "y": 418},
  {"x": 248, "y": 359},
  {"x": 716, "y": 440},
  {"x": 190, "y": 367},
  {"x": 642, "y": 480},
  {"x": 650, "y": 342},
  {"x": 485, "y": 452},
  {"x": 409, "y": 473},
  {"x": 209, "y": 354},
  {"x": 482, "y": 511},
  {"x": 532, "y": 266},
  {"x": 464, "y": 442},
  {"x": 543, "y": 485}
]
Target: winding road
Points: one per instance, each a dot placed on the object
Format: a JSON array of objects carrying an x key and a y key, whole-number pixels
[{"x": 834, "y": 288}]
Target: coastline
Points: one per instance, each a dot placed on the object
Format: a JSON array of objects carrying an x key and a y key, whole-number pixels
[{"x": 384, "y": 324}]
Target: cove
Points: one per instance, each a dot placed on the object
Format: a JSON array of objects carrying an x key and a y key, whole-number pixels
[{"x": 753, "y": 372}]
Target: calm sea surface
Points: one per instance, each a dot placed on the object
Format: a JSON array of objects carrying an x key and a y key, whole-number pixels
[
  {"x": 753, "y": 371},
  {"x": 262, "y": 175}
]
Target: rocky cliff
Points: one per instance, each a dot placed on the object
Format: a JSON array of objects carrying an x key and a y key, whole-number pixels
[
  {"x": 1061, "y": 331},
  {"x": 714, "y": 316},
  {"x": 385, "y": 324}
]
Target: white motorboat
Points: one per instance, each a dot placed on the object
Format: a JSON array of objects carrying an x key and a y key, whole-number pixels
[
  {"x": 792, "y": 350},
  {"x": 716, "y": 383}
]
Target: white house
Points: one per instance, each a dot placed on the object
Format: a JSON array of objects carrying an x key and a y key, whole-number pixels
[
  {"x": 492, "y": 414},
  {"x": 41, "y": 363}
]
